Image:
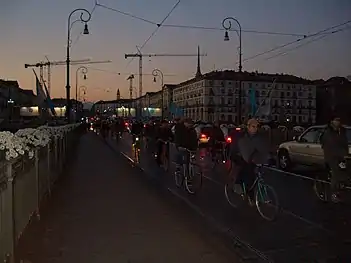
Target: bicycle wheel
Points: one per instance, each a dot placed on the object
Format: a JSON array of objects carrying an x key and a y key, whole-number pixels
[
  {"x": 165, "y": 163},
  {"x": 321, "y": 189},
  {"x": 234, "y": 194},
  {"x": 193, "y": 181},
  {"x": 178, "y": 177},
  {"x": 266, "y": 197}
]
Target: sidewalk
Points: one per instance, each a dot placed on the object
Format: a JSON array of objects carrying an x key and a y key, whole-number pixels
[{"x": 102, "y": 212}]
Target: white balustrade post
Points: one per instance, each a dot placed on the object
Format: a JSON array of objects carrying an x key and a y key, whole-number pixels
[
  {"x": 37, "y": 181},
  {"x": 10, "y": 201},
  {"x": 48, "y": 150}
]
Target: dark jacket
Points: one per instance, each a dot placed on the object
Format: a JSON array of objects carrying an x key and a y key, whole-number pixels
[
  {"x": 253, "y": 148},
  {"x": 217, "y": 134},
  {"x": 334, "y": 144},
  {"x": 149, "y": 130},
  {"x": 190, "y": 141},
  {"x": 137, "y": 128},
  {"x": 164, "y": 134},
  {"x": 179, "y": 134}
]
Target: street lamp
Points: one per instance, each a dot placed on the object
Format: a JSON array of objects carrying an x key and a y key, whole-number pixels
[
  {"x": 158, "y": 73},
  {"x": 85, "y": 32},
  {"x": 84, "y": 88},
  {"x": 84, "y": 71},
  {"x": 227, "y": 25}
]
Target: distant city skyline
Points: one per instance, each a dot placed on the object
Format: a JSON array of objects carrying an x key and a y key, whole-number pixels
[{"x": 32, "y": 29}]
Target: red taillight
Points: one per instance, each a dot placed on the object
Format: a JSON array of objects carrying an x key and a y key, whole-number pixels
[
  {"x": 229, "y": 139},
  {"x": 237, "y": 129},
  {"x": 126, "y": 123},
  {"x": 144, "y": 125},
  {"x": 203, "y": 136}
]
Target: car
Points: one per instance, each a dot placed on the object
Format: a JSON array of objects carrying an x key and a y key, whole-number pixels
[
  {"x": 305, "y": 149},
  {"x": 203, "y": 132}
]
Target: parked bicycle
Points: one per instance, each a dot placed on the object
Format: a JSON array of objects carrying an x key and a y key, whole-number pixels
[
  {"x": 264, "y": 195},
  {"x": 189, "y": 174}
]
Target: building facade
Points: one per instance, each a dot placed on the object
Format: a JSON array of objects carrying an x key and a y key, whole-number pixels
[
  {"x": 215, "y": 96},
  {"x": 333, "y": 97}
]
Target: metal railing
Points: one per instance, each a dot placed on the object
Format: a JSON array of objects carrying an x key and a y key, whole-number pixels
[{"x": 24, "y": 183}]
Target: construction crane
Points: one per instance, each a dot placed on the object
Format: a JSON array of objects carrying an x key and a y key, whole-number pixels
[
  {"x": 48, "y": 64},
  {"x": 140, "y": 56},
  {"x": 130, "y": 78}
]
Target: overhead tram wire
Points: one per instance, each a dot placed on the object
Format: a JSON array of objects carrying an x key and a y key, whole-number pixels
[
  {"x": 155, "y": 31},
  {"x": 196, "y": 27},
  {"x": 321, "y": 32},
  {"x": 81, "y": 32},
  {"x": 285, "y": 52},
  {"x": 124, "y": 73}
]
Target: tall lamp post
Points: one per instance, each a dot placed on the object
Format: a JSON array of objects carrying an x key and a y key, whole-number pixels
[
  {"x": 227, "y": 25},
  {"x": 158, "y": 73},
  {"x": 84, "y": 88},
  {"x": 84, "y": 71},
  {"x": 85, "y": 32}
]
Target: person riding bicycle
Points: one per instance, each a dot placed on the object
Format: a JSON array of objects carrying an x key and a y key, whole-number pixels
[
  {"x": 216, "y": 140},
  {"x": 118, "y": 127},
  {"x": 185, "y": 137},
  {"x": 251, "y": 149},
  {"x": 137, "y": 129},
  {"x": 104, "y": 128},
  {"x": 164, "y": 134},
  {"x": 335, "y": 147}
]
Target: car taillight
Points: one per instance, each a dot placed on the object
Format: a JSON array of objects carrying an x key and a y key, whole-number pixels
[
  {"x": 229, "y": 140},
  {"x": 238, "y": 129},
  {"x": 126, "y": 123},
  {"x": 144, "y": 125},
  {"x": 203, "y": 136}
]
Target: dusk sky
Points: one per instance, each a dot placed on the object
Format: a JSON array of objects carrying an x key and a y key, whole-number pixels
[{"x": 31, "y": 29}]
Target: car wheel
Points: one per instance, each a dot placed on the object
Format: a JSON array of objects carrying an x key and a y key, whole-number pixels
[{"x": 284, "y": 161}]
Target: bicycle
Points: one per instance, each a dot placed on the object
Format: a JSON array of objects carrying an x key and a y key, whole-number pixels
[
  {"x": 191, "y": 178},
  {"x": 220, "y": 155},
  {"x": 321, "y": 185},
  {"x": 164, "y": 155},
  {"x": 261, "y": 190},
  {"x": 136, "y": 148}
]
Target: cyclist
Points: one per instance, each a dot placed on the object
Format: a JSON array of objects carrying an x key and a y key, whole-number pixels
[
  {"x": 216, "y": 140},
  {"x": 251, "y": 149},
  {"x": 335, "y": 147},
  {"x": 185, "y": 137},
  {"x": 164, "y": 134},
  {"x": 137, "y": 129}
]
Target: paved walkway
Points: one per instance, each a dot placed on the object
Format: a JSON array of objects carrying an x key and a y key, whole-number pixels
[{"x": 102, "y": 212}]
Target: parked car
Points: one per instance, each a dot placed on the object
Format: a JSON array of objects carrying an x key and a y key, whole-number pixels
[{"x": 305, "y": 149}]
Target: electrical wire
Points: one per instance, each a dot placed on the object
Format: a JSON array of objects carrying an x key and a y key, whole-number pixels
[
  {"x": 285, "y": 52},
  {"x": 155, "y": 31},
  {"x": 321, "y": 32},
  {"x": 197, "y": 27},
  {"x": 122, "y": 73},
  {"x": 243, "y": 30},
  {"x": 81, "y": 32},
  {"x": 127, "y": 14}
]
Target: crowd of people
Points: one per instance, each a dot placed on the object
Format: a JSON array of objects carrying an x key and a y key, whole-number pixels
[{"x": 247, "y": 148}]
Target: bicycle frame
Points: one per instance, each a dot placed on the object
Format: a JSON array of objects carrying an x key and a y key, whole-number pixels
[
  {"x": 188, "y": 165},
  {"x": 256, "y": 184}
]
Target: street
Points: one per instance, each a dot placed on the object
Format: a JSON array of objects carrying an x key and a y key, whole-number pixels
[
  {"x": 305, "y": 230},
  {"x": 102, "y": 212}
]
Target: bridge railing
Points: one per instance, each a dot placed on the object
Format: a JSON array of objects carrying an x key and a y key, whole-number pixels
[{"x": 25, "y": 182}]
